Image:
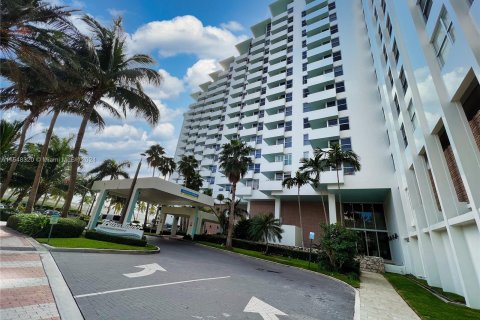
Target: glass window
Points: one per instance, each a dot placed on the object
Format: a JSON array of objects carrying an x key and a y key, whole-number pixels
[
  {"x": 332, "y": 17},
  {"x": 288, "y": 97},
  {"x": 335, "y": 42},
  {"x": 384, "y": 245},
  {"x": 403, "y": 81},
  {"x": 260, "y": 126},
  {"x": 288, "y": 126},
  {"x": 395, "y": 51},
  {"x": 340, "y": 87},
  {"x": 306, "y": 141},
  {"x": 342, "y": 104},
  {"x": 379, "y": 217},
  {"x": 425, "y": 6},
  {"x": 397, "y": 105},
  {"x": 338, "y": 71},
  {"x": 331, "y": 6},
  {"x": 332, "y": 122},
  {"x": 279, "y": 158},
  {"x": 412, "y": 115},
  {"x": 288, "y": 142},
  {"x": 306, "y": 124},
  {"x": 306, "y": 155},
  {"x": 306, "y": 108},
  {"x": 337, "y": 56},
  {"x": 389, "y": 26},
  {"x": 443, "y": 36},
  {"x": 288, "y": 111},
  {"x": 346, "y": 144},
  {"x": 404, "y": 135},
  {"x": 256, "y": 168},
  {"x": 287, "y": 159},
  {"x": 278, "y": 176},
  {"x": 344, "y": 123},
  {"x": 258, "y": 153},
  {"x": 333, "y": 29},
  {"x": 390, "y": 77},
  {"x": 259, "y": 139}
]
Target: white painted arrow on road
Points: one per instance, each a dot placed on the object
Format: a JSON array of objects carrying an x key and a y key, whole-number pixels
[
  {"x": 265, "y": 310},
  {"x": 148, "y": 269}
]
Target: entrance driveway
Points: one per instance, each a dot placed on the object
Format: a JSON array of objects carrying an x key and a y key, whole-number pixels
[{"x": 199, "y": 283}]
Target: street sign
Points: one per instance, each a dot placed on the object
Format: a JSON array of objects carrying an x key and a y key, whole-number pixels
[
  {"x": 311, "y": 236},
  {"x": 54, "y": 219}
]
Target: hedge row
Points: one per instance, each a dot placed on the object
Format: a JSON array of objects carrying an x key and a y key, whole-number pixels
[
  {"x": 90, "y": 234},
  {"x": 256, "y": 246},
  {"x": 37, "y": 225},
  {"x": 6, "y": 213}
]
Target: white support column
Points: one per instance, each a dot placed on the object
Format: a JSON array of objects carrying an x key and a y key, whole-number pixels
[
  {"x": 174, "y": 226},
  {"x": 161, "y": 222},
  {"x": 332, "y": 208},
  {"x": 278, "y": 207},
  {"x": 131, "y": 206},
  {"x": 97, "y": 210}
]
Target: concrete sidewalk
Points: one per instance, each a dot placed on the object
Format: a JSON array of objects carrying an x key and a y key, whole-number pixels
[
  {"x": 31, "y": 286},
  {"x": 379, "y": 300}
]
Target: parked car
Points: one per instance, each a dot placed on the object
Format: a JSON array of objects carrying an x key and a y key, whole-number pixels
[
  {"x": 51, "y": 212},
  {"x": 2, "y": 206}
]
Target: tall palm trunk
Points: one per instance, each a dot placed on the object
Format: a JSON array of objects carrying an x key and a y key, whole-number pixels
[
  {"x": 91, "y": 206},
  {"x": 21, "y": 195},
  {"x": 56, "y": 203},
  {"x": 26, "y": 125},
  {"x": 44, "y": 199},
  {"x": 38, "y": 172},
  {"x": 148, "y": 206},
  {"x": 324, "y": 210},
  {"x": 300, "y": 215},
  {"x": 76, "y": 154},
  {"x": 339, "y": 198},
  {"x": 231, "y": 218}
]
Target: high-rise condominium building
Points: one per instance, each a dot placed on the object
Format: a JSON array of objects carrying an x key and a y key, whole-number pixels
[{"x": 394, "y": 81}]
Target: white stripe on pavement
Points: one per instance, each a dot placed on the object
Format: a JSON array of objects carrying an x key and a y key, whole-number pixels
[
  {"x": 20, "y": 264},
  {"x": 31, "y": 312},
  {"x": 145, "y": 287},
  {"x": 23, "y": 282}
]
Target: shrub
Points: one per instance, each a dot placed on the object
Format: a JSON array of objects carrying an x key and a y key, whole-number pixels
[
  {"x": 6, "y": 213},
  {"x": 283, "y": 251},
  {"x": 187, "y": 237},
  {"x": 338, "y": 247},
  {"x": 29, "y": 224},
  {"x": 90, "y": 234},
  {"x": 65, "y": 228},
  {"x": 242, "y": 228}
]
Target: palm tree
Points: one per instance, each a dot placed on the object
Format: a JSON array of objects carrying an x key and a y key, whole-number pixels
[
  {"x": 265, "y": 227},
  {"x": 110, "y": 168},
  {"x": 29, "y": 27},
  {"x": 166, "y": 166},
  {"x": 300, "y": 179},
  {"x": 234, "y": 161},
  {"x": 336, "y": 157},
  {"x": 238, "y": 210},
  {"x": 315, "y": 166},
  {"x": 112, "y": 73},
  {"x": 154, "y": 155},
  {"x": 9, "y": 133},
  {"x": 187, "y": 166}
]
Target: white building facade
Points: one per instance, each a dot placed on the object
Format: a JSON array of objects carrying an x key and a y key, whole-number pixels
[{"x": 395, "y": 81}]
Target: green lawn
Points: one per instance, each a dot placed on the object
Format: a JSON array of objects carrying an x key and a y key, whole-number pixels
[
  {"x": 91, "y": 244},
  {"x": 425, "y": 304},
  {"x": 450, "y": 295},
  {"x": 290, "y": 262}
]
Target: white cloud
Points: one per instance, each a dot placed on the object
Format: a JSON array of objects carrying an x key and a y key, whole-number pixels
[
  {"x": 116, "y": 12},
  {"x": 170, "y": 87},
  {"x": 163, "y": 130},
  {"x": 199, "y": 72},
  {"x": 232, "y": 26},
  {"x": 118, "y": 131},
  {"x": 187, "y": 35}
]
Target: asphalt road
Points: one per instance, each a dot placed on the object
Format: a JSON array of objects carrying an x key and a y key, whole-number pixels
[{"x": 199, "y": 283}]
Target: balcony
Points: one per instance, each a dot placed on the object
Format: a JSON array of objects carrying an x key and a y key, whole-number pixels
[
  {"x": 252, "y": 96},
  {"x": 279, "y": 26},
  {"x": 211, "y": 131},
  {"x": 277, "y": 55},
  {"x": 314, "y": 27},
  {"x": 320, "y": 136},
  {"x": 278, "y": 117},
  {"x": 205, "y": 173},
  {"x": 206, "y": 162},
  {"x": 275, "y": 104},
  {"x": 276, "y": 78},
  {"x": 328, "y": 177},
  {"x": 280, "y": 35},
  {"x": 272, "y": 166},
  {"x": 276, "y": 90},
  {"x": 215, "y": 121},
  {"x": 274, "y": 133},
  {"x": 277, "y": 66},
  {"x": 236, "y": 100},
  {"x": 321, "y": 95},
  {"x": 318, "y": 38},
  {"x": 272, "y": 149},
  {"x": 317, "y": 117},
  {"x": 253, "y": 76},
  {"x": 234, "y": 110},
  {"x": 255, "y": 66},
  {"x": 250, "y": 119},
  {"x": 236, "y": 91},
  {"x": 313, "y": 4},
  {"x": 256, "y": 57},
  {"x": 209, "y": 142},
  {"x": 232, "y": 120},
  {"x": 253, "y": 85},
  {"x": 311, "y": 67},
  {"x": 317, "y": 15},
  {"x": 278, "y": 46},
  {"x": 250, "y": 107},
  {"x": 270, "y": 185},
  {"x": 248, "y": 132},
  {"x": 321, "y": 79},
  {"x": 209, "y": 151},
  {"x": 244, "y": 191},
  {"x": 199, "y": 148},
  {"x": 230, "y": 131}
]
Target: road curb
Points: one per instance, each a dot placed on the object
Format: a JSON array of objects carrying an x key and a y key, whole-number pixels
[
  {"x": 66, "y": 305},
  {"x": 111, "y": 251}
]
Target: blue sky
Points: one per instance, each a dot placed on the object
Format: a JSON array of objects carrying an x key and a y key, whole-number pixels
[{"x": 187, "y": 38}]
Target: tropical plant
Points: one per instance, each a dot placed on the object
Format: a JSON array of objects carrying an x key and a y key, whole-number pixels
[
  {"x": 154, "y": 155},
  {"x": 315, "y": 166},
  {"x": 266, "y": 228},
  {"x": 336, "y": 158},
  {"x": 339, "y": 245},
  {"x": 242, "y": 229},
  {"x": 299, "y": 180},
  {"x": 239, "y": 211},
  {"x": 234, "y": 161},
  {"x": 187, "y": 166},
  {"x": 110, "y": 168},
  {"x": 111, "y": 73},
  {"x": 9, "y": 133}
]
